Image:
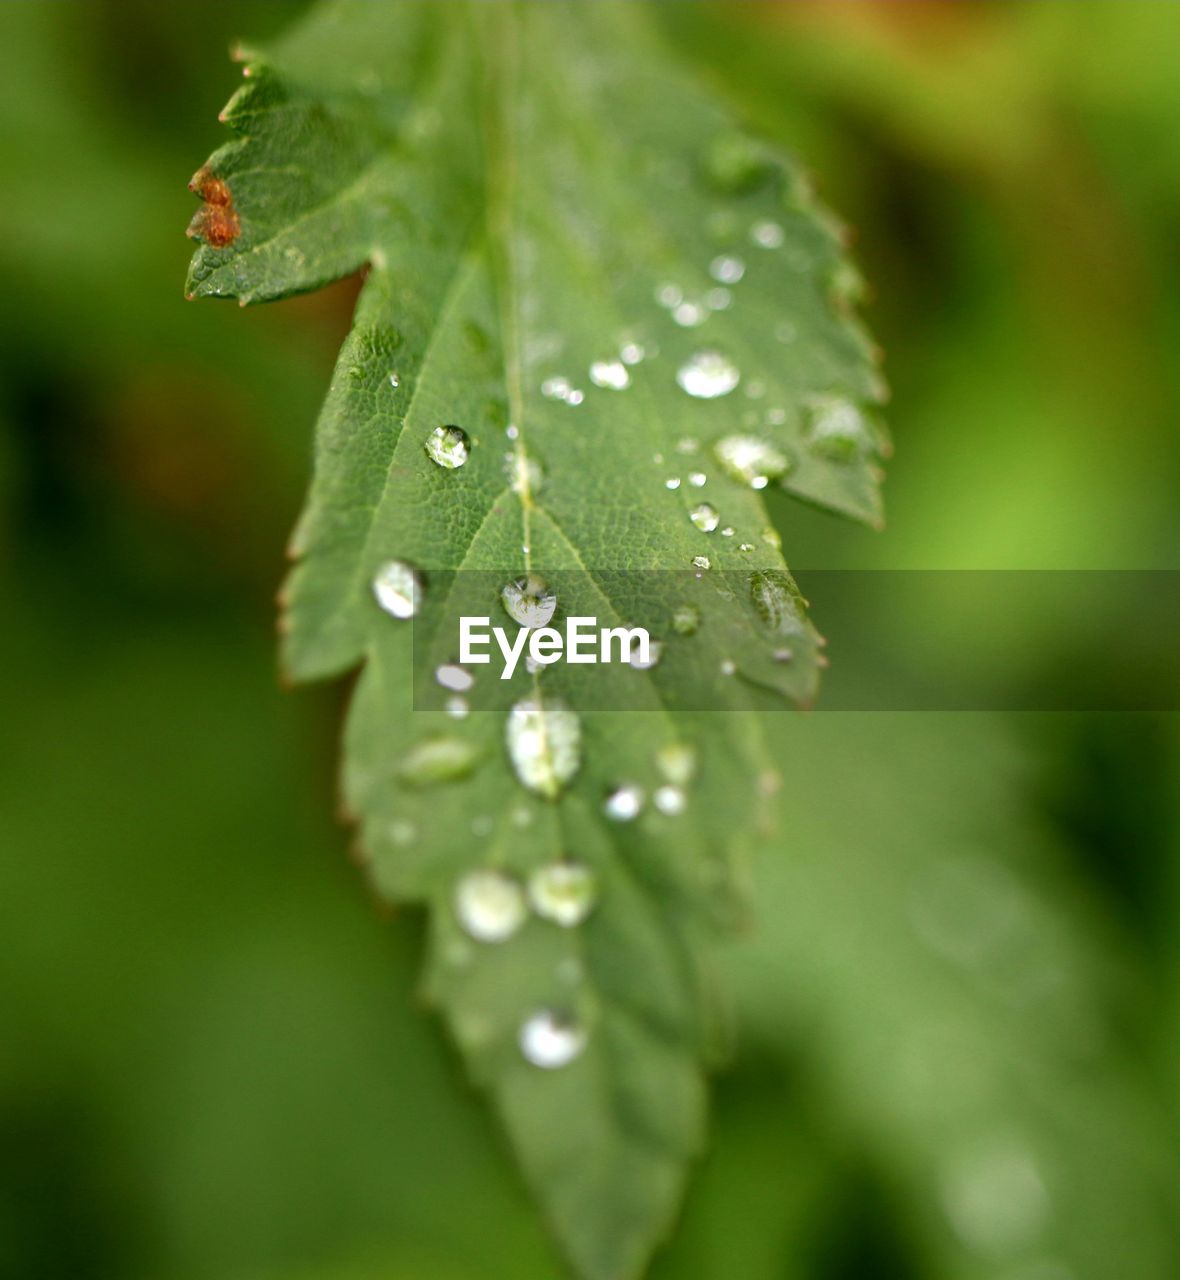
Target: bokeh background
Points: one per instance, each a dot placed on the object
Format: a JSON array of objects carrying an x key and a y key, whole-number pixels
[{"x": 957, "y": 1024}]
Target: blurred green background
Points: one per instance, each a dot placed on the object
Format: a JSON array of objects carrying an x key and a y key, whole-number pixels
[{"x": 958, "y": 1024}]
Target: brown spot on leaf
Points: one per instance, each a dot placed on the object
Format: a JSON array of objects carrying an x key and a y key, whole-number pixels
[{"x": 216, "y": 222}]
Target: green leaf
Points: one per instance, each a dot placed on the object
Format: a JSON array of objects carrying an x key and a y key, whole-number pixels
[{"x": 566, "y": 242}]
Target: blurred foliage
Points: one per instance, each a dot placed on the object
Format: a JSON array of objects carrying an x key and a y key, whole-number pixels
[{"x": 957, "y": 1024}]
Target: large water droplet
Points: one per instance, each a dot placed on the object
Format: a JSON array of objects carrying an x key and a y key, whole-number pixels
[
  {"x": 611, "y": 374},
  {"x": 705, "y": 517},
  {"x": 529, "y": 601},
  {"x": 490, "y": 905},
  {"x": 544, "y": 744},
  {"x": 398, "y": 589},
  {"x": 564, "y": 892},
  {"x": 838, "y": 430},
  {"x": 777, "y": 602},
  {"x": 624, "y": 804},
  {"x": 551, "y": 1039},
  {"x": 437, "y": 760},
  {"x": 448, "y": 446},
  {"x": 751, "y": 461},
  {"x": 707, "y": 375}
]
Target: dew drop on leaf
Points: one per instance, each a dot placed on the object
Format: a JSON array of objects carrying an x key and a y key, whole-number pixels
[
  {"x": 707, "y": 375},
  {"x": 701, "y": 562},
  {"x": 529, "y": 601},
  {"x": 677, "y": 762},
  {"x": 564, "y": 892},
  {"x": 544, "y": 743},
  {"x": 838, "y": 430},
  {"x": 457, "y": 707},
  {"x": 611, "y": 374},
  {"x": 489, "y": 905},
  {"x": 624, "y": 804},
  {"x": 698, "y": 479},
  {"x": 727, "y": 269},
  {"x": 631, "y": 353},
  {"x": 437, "y": 760},
  {"x": 449, "y": 447},
  {"x": 686, "y": 620},
  {"x": 398, "y": 589},
  {"x": 638, "y": 663},
  {"x": 672, "y": 482},
  {"x": 767, "y": 235},
  {"x": 751, "y": 461},
  {"x": 705, "y": 517},
  {"x": 688, "y": 315},
  {"x": 551, "y": 1039},
  {"x": 451, "y": 676},
  {"x": 670, "y": 800}
]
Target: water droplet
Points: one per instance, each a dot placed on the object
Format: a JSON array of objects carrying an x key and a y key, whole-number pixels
[
  {"x": 776, "y": 417},
  {"x": 698, "y": 479},
  {"x": 402, "y": 832},
  {"x": 734, "y": 163},
  {"x": 728, "y": 531},
  {"x": 624, "y": 804},
  {"x": 669, "y": 295},
  {"x": 398, "y": 589},
  {"x": 437, "y": 760},
  {"x": 448, "y": 446},
  {"x": 673, "y": 482},
  {"x": 751, "y": 461},
  {"x": 564, "y": 892},
  {"x": 701, "y": 562},
  {"x": 746, "y": 546},
  {"x": 727, "y": 269},
  {"x": 767, "y": 234},
  {"x": 560, "y": 388},
  {"x": 705, "y": 517},
  {"x": 457, "y": 708},
  {"x": 611, "y": 374},
  {"x": 631, "y": 353},
  {"x": 529, "y": 601},
  {"x": 512, "y": 431},
  {"x": 688, "y": 315},
  {"x": 454, "y": 677},
  {"x": 707, "y": 375},
  {"x": 727, "y": 666},
  {"x": 677, "y": 762},
  {"x": 551, "y": 1039},
  {"x": 838, "y": 430},
  {"x": 636, "y": 662},
  {"x": 670, "y": 800},
  {"x": 686, "y": 620},
  {"x": 687, "y": 445},
  {"x": 544, "y": 744},
  {"x": 784, "y": 655},
  {"x": 523, "y": 473},
  {"x": 394, "y": 380},
  {"x": 575, "y": 397},
  {"x": 490, "y": 905},
  {"x": 718, "y": 299},
  {"x": 777, "y": 602}
]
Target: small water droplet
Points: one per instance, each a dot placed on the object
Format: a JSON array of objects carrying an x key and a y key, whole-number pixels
[
  {"x": 777, "y": 602},
  {"x": 705, "y": 517},
  {"x": 746, "y": 546},
  {"x": 394, "y": 380},
  {"x": 437, "y": 760},
  {"x": 457, "y": 708},
  {"x": 670, "y": 800},
  {"x": 673, "y": 482},
  {"x": 489, "y": 905},
  {"x": 402, "y": 832},
  {"x": 755, "y": 390},
  {"x": 784, "y": 655},
  {"x": 544, "y": 743},
  {"x": 677, "y": 762},
  {"x": 631, "y": 353},
  {"x": 728, "y": 531},
  {"x": 701, "y": 562},
  {"x": 734, "y": 163},
  {"x": 529, "y": 601},
  {"x": 636, "y": 662},
  {"x": 551, "y": 1039},
  {"x": 454, "y": 677},
  {"x": 523, "y": 473},
  {"x": 512, "y": 431},
  {"x": 448, "y": 446},
  {"x": 686, "y": 620},
  {"x": 727, "y": 269},
  {"x": 398, "y": 589},
  {"x": 669, "y": 295},
  {"x": 611, "y": 374},
  {"x": 698, "y": 479},
  {"x": 767, "y": 234},
  {"x": 564, "y": 892},
  {"x": 560, "y": 388},
  {"x": 687, "y": 445},
  {"x": 688, "y": 315},
  {"x": 707, "y": 375},
  {"x": 751, "y": 461},
  {"x": 624, "y": 804},
  {"x": 838, "y": 430},
  {"x": 575, "y": 397},
  {"x": 718, "y": 299}
]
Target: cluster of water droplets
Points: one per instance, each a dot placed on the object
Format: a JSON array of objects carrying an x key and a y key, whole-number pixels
[{"x": 675, "y": 766}]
